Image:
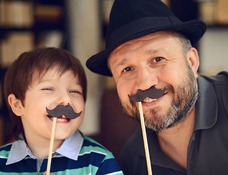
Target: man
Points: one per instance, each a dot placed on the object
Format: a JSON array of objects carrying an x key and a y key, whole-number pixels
[{"x": 147, "y": 46}]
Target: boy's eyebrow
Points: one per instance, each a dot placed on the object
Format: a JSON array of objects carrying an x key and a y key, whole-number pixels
[{"x": 40, "y": 80}]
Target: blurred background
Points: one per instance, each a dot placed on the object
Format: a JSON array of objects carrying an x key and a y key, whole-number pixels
[{"x": 80, "y": 26}]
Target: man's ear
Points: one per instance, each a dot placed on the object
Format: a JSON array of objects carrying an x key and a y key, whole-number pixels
[
  {"x": 15, "y": 104},
  {"x": 193, "y": 60}
]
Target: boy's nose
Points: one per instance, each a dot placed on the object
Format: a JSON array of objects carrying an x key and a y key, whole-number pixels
[{"x": 63, "y": 98}]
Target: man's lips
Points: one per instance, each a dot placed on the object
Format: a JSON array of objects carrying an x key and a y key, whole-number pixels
[
  {"x": 150, "y": 100},
  {"x": 151, "y": 103}
]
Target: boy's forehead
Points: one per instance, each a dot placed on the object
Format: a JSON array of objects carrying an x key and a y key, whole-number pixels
[{"x": 38, "y": 75}]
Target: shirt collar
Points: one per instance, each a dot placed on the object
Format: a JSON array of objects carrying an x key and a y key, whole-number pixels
[
  {"x": 157, "y": 156},
  {"x": 70, "y": 149},
  {"x": 206, "y": 106},
  {"x": 71, "y": 146},
  {"x": 18, "y": 152}
]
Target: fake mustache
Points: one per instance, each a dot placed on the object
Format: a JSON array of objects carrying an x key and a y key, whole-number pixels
[
  {"x": 61, "y": 110},
  {"x": 152, "y": 93}
]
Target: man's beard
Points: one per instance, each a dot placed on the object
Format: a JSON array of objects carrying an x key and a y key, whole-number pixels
[{"x": 182, "y": 104}]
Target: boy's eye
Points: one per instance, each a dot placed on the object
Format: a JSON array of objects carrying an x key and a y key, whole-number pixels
[
  {"x": 47, "y": 89},
  {"x": 75, "y": 92}
]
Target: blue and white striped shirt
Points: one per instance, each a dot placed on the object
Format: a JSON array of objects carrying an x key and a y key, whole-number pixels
[{"x": 78, "y": 155}]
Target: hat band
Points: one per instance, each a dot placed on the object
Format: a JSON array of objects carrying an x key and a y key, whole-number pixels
[{"x": 135, "y": 29}]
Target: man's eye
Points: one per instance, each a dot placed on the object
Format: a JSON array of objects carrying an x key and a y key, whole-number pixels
[
  {"x": 158, "y": 59},
  {"x": 127, "y": 69}
]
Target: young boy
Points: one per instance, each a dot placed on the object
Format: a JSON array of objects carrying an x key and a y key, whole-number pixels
[{"x": 36, "y": 83}]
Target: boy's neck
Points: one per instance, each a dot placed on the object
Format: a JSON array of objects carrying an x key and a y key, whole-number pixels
[{"x": 40, "y": 148}]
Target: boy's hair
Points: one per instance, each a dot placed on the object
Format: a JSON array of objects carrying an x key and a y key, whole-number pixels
[{"x": 20, "y": 74}]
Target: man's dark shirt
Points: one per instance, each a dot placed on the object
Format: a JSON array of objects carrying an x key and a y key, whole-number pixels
[{"x": 208, "y": 146}]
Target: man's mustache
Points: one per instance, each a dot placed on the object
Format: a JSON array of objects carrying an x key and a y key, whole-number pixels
[
  {"x": 152, "y": 93},
  {"x": 61, "y": 110}
]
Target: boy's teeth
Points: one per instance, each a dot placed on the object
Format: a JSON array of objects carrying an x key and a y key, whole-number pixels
[{"x": 61, "y": 119}]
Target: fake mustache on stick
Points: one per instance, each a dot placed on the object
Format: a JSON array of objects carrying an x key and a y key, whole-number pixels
[
  {"x": 61, "y": 110},
  {"x": 152, "y": 93},
  {"x": 140, "y": 95}
]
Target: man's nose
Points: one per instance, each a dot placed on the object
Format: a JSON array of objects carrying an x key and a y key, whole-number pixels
[{"x": 146, "y": 77}]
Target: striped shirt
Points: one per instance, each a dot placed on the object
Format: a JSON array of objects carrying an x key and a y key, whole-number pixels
[{"x": 78, "y": 155}]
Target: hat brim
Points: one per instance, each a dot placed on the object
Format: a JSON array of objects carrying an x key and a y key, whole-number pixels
[{"x": 97, "y": 63}]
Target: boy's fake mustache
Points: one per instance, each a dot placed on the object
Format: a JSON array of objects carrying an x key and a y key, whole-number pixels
[
  {"x": 61, "y": 110},
  {"x": 152, "y": 93}
]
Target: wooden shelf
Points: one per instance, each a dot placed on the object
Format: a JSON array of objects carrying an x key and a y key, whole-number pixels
[
  {"x": 217, "y": 26},
  {"x": 24, "y": 25}
]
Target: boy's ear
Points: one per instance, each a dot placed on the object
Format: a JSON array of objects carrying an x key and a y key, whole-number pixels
[{"x": 15, "y": 104}]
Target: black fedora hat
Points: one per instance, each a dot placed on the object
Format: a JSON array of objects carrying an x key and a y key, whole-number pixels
[{"x": 130, "y": 19}]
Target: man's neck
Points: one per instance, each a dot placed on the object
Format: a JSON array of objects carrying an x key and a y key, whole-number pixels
[{"x": 174, "y": 141}]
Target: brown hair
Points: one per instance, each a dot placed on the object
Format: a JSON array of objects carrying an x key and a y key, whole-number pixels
[{"x": 19, "y": 75}]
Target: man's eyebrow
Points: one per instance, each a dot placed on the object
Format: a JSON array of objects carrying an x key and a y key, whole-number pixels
[
  {"x": 153, "y": 51},
  {"x": 118, "y": 62}
]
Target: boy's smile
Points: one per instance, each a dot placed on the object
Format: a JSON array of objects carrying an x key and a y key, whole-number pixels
[{"x": 49, "y": 91}]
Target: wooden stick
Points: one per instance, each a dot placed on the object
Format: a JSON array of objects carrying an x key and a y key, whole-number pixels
[
  {"x": 51, "y": 146},
  {"x": 148, "y": 162}
]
